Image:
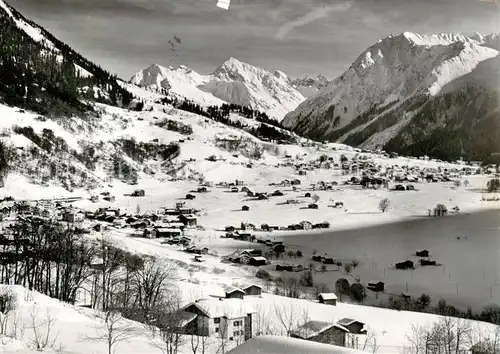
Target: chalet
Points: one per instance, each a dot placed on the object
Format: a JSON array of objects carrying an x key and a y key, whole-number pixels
[
  {"x": 328, "y": 298},
  {"x": 234, "y": 190},
  {"x": 190, "y": 196},
  {"x": 410, "y": 187},
  {"x": 252, "y": 252},
  {"x": 228, "y": 318},
  {"x": 322, "y": 225},
  {"x": 46, "y": 213},
  {"x": 234, "y": 293},
  {"x": 354, "y": 327},
  {"x": 250, "y": 194},
  {"x": 427, "y": 262},
  {"x": 277, "y": 193},
  {"x": 423, "y": 253},
  {"x": 295, "y": 182},
  {"x": 322, "y": 332},
  {"x": 378, "y": 286},
  {"x": 94, "y": 198},
  {"x": 405, "y": 265},
  {"x": 305, "y": 225},
  {"x": 262, "y": 196},
  {"x": 313, "y": 206},
  {"x": 202, "y": 190},
  {"x": 307, "y": 195},
  {"x": 257, "y": 261},
  {"x": 245, "y": 208},
  {"x": 399, "y": 187},
  {"x": 158, "y": 232},
  {"x": 245, "y": 226},
  {"x": 317, "y": 258},
  {"x": 252, "y": 289},
  {"x": 138, "y": 193},
  {"x": 189, "y": 220}
]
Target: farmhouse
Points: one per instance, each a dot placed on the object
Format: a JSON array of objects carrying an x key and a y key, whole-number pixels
[
  {"x": 354, "y": 327},
  {"x": 378, "y": 286},
  {"x": 306, "y": 225},
  {"x": 234, "y": 293},
  {"x": 158, "y": 232},
  {"x": 322, "y": 332},
  {"x": 328, "y": 298},
  {"x": 138, "y": 193},
  {"x": 188, "y": 219},
  {"x": 257, "y": 261},
  {"x": 423, "y": 253},
  {"x": 405, "y": 265},
  {"x": 252, "y": 289},
  {"x": 228, "y": 318}
]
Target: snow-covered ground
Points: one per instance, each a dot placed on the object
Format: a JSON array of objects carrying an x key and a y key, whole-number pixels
[{"x": 220, "y": 208}]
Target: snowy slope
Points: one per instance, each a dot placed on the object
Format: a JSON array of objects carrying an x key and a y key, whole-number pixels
[{"x": 233, "y": 82}]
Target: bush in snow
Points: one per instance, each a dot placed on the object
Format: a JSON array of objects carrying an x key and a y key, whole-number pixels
[
  {"x": 493, "y": 185},
  {"x": 263, "y": 274},
  {"x": 440, "y": 210},
  {"x": 384, "y": 205},
  {"x": 357, "y": 292}
]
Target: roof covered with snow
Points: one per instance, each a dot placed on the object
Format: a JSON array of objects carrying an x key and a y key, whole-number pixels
[
  {"x": 287, "y": 345},
  {"x": 229, "y": 308},
  {"x": 313, "y": 328}
]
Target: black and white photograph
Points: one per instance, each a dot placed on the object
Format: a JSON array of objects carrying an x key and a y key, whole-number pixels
[{"x": 250, "y": 176}]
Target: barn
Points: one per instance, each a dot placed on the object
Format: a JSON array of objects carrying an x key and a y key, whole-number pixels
[
  {"x": 328, "y": 298},
  {"x": 252, "y": 289}
]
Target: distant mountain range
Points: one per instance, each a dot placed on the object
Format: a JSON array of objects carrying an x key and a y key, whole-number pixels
[{"x": 436, "y": 95}]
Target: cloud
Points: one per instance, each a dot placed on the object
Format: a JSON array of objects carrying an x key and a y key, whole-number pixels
[{"x": 311, "y": 16}]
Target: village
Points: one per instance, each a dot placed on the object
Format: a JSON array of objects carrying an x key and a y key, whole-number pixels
[{"x": 179, "y": 225}]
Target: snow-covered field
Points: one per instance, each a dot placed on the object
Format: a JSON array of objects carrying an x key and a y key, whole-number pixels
[{"x": 220, "y": 207}]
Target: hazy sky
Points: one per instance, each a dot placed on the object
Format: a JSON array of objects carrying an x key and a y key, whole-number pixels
[{"x": 299, "y": 37}]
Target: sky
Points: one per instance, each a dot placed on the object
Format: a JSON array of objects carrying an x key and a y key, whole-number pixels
[{"x": 299, "y": 37}]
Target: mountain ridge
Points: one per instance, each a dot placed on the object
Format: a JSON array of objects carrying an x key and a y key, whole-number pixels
[
  {"x": 383, "y": 90},
  {"x": 233, "y": 82}
]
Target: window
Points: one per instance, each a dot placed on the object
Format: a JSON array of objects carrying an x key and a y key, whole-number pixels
[
  {"x": 217, "y": 330},
  {"x": 237, "y": 323},
  {"x": 217, "y": 320},
  {"x": 236, "y": 333}
]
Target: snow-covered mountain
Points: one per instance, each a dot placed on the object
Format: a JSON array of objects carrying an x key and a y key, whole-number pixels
[
  {"x": 308, "y": 85},
  {"x": 233, "y": 82},
  {"x": 392, "y": 79}
]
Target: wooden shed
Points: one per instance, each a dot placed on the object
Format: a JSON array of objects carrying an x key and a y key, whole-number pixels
[
  {"x": 252, "y": 289},
  {"x": 328, "y": 298}
]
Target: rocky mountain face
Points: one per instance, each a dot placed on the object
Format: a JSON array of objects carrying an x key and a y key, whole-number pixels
[
  {"x": 309, "y": 86},
  {"x": 233, "y": 82},
  {"x": 406, "y": 91}
]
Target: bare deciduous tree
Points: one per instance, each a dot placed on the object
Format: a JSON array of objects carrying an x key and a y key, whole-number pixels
[
  {"x": 150, "y": 283},
  {"x": 113, "y": 331},
  {"x": 287, "y": 316},
  {"x": 42, "y": 330}
]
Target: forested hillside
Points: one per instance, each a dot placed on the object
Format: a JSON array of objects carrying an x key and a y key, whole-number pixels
[{"x": 44, "y": 78}]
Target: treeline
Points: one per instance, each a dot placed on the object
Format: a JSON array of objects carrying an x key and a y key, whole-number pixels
[
  {"x": 267, "y": 130},
  {"x": 55, "y": 260},
  {"x": 35, "y": 77}
]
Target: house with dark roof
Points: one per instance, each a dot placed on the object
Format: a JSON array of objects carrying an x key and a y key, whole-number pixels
[
  {"x": 322, "y": 332},
  {"x": 252, "y": 289},
  {"x": 233, "y": 292},
  {"x": 354, "y": 326},
  {"x": 226, "y": 318}
]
